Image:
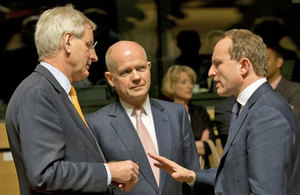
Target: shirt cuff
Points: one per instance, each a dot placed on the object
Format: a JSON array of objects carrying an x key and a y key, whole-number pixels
[{"x": 108, "y": 174}]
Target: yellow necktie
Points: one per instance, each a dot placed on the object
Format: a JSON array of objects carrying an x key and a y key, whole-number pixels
[{"x": 74, "y": 98}]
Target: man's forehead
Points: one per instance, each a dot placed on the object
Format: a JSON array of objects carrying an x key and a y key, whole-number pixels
[
  {"x": 224, "y": 43},
  {"x": 222, "y": 47},
  {"x": 88, "y": 31},
  {"x": 129, "y": 57}
]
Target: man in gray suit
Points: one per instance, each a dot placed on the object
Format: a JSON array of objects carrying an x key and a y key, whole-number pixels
[
  {"x": 287, "y": 89},
  {"x": 167, "y": 124},
  {"x": 53, "y": 149},
  {"x": 262, "y": 153}
]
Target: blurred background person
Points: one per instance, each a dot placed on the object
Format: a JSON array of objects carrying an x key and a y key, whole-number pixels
[
  {"x": 189, "y": 43},
  {"x": 287, "y": 89},
  {"x": 177, "y": 85},
  {"x": 18, "y": 50},
  {"x": 223, "y": 111},
  {"x": 211, "y": 39},
  {"x": 273, "y": 31},
  {"x": 106, "y": 36}
]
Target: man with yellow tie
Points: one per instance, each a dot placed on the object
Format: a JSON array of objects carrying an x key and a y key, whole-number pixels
[
  {"x": 53, "y": 149},
  {"x": 136, "y": 124}
]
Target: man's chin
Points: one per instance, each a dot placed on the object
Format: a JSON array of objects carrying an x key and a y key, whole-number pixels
[
  {"x": 138, "y": 96},
  {"x": 82, "y": 77},
  {"x": 221, "y": 93}
]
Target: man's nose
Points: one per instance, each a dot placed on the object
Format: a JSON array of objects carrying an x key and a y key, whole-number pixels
[
  {"x": 93, "y": 55},
  {"x": 211, "y": 71},
  {"x": 135, "y": 75}
]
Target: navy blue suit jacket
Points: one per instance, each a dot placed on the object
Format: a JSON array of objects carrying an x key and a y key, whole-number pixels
[{"x": 262, "y": 153}]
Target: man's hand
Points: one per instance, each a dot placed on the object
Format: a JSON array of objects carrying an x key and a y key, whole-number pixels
[
  {"x": 200, "y": 147},
  {"x": 176, "y": 171},
  {"x": 130, "y": 185},
  {"x": 200, "y": 143},
  {"x": 205, "y": 135},
  {"x": 124, "y": 173}
]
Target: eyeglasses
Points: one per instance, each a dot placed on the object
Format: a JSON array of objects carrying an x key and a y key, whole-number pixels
[{"x": 90, "y": 44}]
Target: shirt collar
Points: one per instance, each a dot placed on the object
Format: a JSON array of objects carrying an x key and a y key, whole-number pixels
[
  {"x": 59, "y": 76},
  {"x": 130, "y": 108},
  {"x": 248, "y": 91}
]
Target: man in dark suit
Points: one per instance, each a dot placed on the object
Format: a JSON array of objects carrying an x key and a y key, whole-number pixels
[
  {"x": 262, "y": 154},
  {"x": 116, "y": 126},
  {"x": 287, "y": 89},
  {"x": 53, "y": 149}
]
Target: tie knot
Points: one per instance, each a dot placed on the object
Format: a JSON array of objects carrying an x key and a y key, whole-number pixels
[
  {"x": 72, "y": 91},
  {"x": 138, "y": 111}
]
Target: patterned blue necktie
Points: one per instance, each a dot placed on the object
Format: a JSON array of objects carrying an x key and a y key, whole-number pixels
[{"x": 234, "y": 115}]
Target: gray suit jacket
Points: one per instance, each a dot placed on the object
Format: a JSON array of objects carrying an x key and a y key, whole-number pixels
[
  {"x": 52, "y": 148},
  {"x": 119, "y": 141},
  {"x": 262, "y": 153},
  {"x": 291, "y": 92}
]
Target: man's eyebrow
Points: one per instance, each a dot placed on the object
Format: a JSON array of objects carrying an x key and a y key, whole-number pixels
[{"x": 215, "y": 60}]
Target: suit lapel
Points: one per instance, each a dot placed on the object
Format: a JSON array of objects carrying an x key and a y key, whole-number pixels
[
  {"x": 163, "y": 135},
  {"x": 71, "y": 109},
  {"x": 236, "y": 128},
  {"x": 123, "y": 126},
  {"x": 241, "y": 118}
]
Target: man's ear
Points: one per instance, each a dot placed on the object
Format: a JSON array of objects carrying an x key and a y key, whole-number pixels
[
  {"x": 279, "y": 62},
  {"x": 109, "y": 78},
  {"x": 149, "y": 64},
  {"x": 244, "y": 66},
  {"x": 67, "y": 42}
]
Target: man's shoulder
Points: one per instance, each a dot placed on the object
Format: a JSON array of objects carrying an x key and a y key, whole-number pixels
[
  {"x": 273, "y": 102},
  {"x": 289, "y": 84},
  {"x": 286, "y": 87},
  {"x": 165, "y": 104},
  {"x": 107, "y": 108}
]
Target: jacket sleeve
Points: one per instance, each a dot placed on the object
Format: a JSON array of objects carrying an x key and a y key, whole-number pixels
[{"x": 206, "y": 176}]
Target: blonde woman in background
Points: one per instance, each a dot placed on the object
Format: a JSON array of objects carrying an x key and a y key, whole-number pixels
[{"x": 177, "y": 85}]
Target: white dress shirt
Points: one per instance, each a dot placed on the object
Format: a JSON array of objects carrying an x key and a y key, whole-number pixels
[
  {"x": 59, "y": 76},
  {"x": 147, "y": 119},
  {"x": 248, "y": 91}
]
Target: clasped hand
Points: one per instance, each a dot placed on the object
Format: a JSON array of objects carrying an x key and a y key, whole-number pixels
[{"x": 125, "y": 173}]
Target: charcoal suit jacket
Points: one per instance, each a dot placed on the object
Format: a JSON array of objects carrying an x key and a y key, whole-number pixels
[
  {"x": 120, "y": 141},
  {"x": 53, "y": 150}
]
